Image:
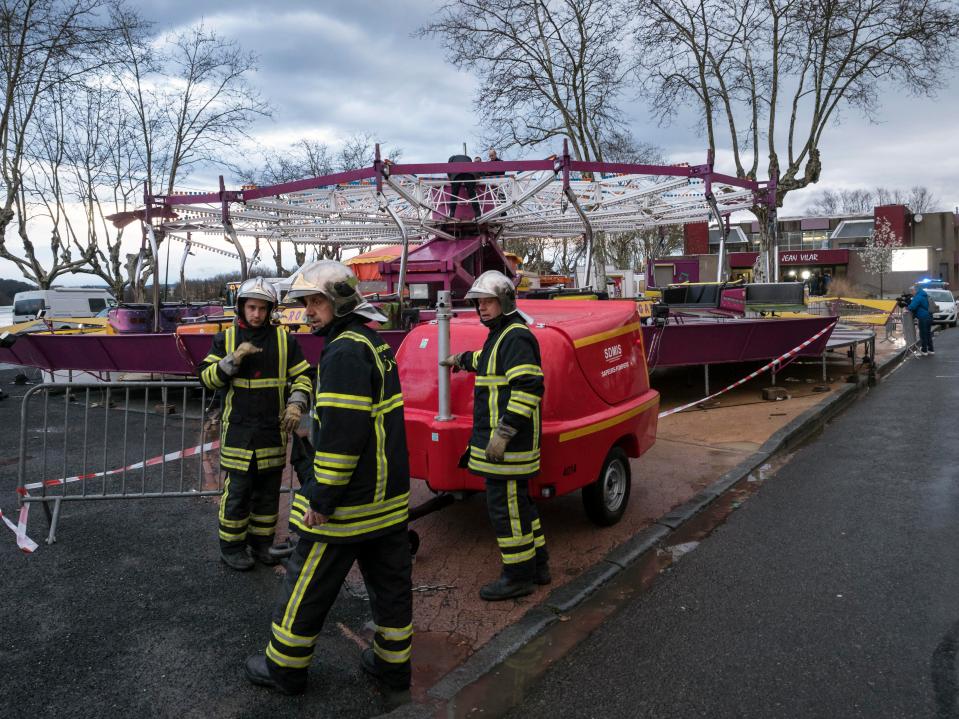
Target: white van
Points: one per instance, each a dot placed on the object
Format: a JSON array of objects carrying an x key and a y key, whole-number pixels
[{"x": 61, "y": 302}]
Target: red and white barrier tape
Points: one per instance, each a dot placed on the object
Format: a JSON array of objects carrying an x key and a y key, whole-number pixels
[
  {"x": 791, "y": 353},
  {"x": 20, "y": 529},
  {"x": 152, "y": 462}
]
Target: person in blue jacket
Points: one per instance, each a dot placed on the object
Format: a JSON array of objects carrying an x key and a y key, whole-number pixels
[{"x": 922, "y": 309}]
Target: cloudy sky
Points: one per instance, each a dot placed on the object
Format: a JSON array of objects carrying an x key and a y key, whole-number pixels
[{"x": 335, "y": 67}]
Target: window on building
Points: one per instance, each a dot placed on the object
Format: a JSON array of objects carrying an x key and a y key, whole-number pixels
[{"x": 815, "y": 239}]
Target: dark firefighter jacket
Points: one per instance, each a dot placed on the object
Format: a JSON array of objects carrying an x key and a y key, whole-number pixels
[
  {"x": 509, "y": 386},
  {"x": 256, "y": 396},
  {"x": 361, "y": 468}
]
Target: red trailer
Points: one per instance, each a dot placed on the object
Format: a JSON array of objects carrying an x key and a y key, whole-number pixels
[{"x": 598, "y": 410}]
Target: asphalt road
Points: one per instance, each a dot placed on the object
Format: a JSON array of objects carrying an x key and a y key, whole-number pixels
[
  {"x": 131, "y": 613},
  {"x": 833, "y": 592}
]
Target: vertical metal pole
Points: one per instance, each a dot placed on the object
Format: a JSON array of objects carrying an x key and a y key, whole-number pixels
[
  {"x": 183, "y": 437},
  {"x": 143, "y": 449},
  {"x": 444, "y": 313},
  {"x": 706, "y": 374},
  {"x": 106, "y": 436},
  {"x": 86, "y": 428},
  {"x": 824, "y": 366}
]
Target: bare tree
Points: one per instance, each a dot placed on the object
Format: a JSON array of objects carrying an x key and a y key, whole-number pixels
[
  {"x": 861, "y": 202},
  {"x": 47, "y": 48},
  {"x": 192, "y": 103},
  {"x": 548, "y": 69},
  {"x": 768, "y": 77}
]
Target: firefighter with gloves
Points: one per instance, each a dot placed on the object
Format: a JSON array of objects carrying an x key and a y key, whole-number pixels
[
  {"x": 504, "y": 446},
  {"x": 267, "y": 386},
  {"x": 356, "y": 507}
]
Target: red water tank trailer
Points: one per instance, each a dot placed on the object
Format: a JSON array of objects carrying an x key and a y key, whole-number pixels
[{"x": 598, "y": 409}]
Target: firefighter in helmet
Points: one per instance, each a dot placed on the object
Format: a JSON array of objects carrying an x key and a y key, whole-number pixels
[
  {"x": 504, "y": 446},
  {"x": 356, "y": 507},
  {"x": 267, "y": 387}
]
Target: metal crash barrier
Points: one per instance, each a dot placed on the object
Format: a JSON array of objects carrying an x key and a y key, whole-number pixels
[{"x": 119, "y": 440}]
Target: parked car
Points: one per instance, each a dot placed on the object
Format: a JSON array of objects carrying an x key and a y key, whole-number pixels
[{"x": 945, "y": 310}]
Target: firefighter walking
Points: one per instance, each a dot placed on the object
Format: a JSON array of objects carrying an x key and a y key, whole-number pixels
[
  {"x": 504, "y": 445},
  {"x": 266, "y": 384},
  {"x": 356, "y": 507}
]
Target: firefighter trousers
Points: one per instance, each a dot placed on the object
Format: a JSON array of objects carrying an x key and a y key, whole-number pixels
[
  {"x": 516, "y": 524},
  {"x": 249, "y": 508},
  {"x": 314, "y": 575}
]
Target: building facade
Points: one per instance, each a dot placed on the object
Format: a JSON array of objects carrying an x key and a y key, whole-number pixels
[{"x": 813, "y": 247}]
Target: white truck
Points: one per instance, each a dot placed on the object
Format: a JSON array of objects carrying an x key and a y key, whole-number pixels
[{"x": 61, "y": 302}]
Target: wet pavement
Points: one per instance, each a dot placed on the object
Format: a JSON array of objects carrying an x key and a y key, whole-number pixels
[
  {"x": 132, "y": 611},
  {"x": 831, "y": 592}
]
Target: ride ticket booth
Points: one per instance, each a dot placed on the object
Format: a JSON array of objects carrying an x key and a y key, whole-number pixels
[{"x": 807, "y": 266}]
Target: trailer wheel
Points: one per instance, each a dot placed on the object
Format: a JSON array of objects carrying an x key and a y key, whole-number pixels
[{"x": 605, "y": 499}]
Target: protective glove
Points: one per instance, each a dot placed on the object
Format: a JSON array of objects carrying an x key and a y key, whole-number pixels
[
  {"x": 244, "y": 350},
  {"x": 496, "y": 449},
  {"x": 453, "y": 361},
  {"x": 290, "y": 421}
]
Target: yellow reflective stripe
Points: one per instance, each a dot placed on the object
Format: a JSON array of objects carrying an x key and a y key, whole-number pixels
[
  {"x": 302, "y": 582},
  {"x": 236, "y": 452},
  {"x": 265, "y": 518},
  {"x": 394, "y": 634},
  {"x": 521, "y": 409},
  {"x": 339, "y": 460},
  {"x": 504, "y": 469},
  {"x": 506, "y": 542},
  {"x": 241, "y": 465},
  {"x": 270, "y": 452},
  {"x": 388, "y": 405},
  {"x": 221, "y": 513},
  {"x": 299, "y": 368},
  {"x": 261, "y": 531},
  {"x": 362, "y": 510},
  {"x": 284, "y": 660},
  {"x": 270, "y": 462},
  {"x": 344, "y": 401},
  {"x": 211, "y": 377},
  {"x": 282, "y": 340},
  {"x": 507, "y": 456},
  {"x": 355, "y": 528},
  {"x": 491, "y": 381},
  {"x": 230, "y": 339},
  {"x": 514, "y": 524},
  {"x": 334, "y": 479},
  {"x": 303, "y": 383},
  {"x": 400, "y": 657},
  {"x": 291, "y": 639},
  {"x": 233, "y": 523},
  {"x": 269, "y": 383},
  {"x": 525, "y": 397},
  {"x": 476, "y": 358},
  {"x": 231, "y": 536},
  {"x": 521, "y": 369},
  {"x": 212, "y": 358},
  {"x": 519, "y": 557}
]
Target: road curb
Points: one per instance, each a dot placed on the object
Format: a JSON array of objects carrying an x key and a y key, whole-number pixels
[{"x": 572, "y": 594}]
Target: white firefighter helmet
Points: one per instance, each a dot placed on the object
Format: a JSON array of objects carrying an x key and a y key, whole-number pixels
[
  {"x": 256, "y": 288},
  {"x": 337, "y": 283},
  {"x": 495, "y": 284}
]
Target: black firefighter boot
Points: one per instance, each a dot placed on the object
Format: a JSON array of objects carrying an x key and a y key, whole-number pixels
[
  {"x": 392, "y": 697},
  {"x": 237, "y": 558},
  {"x": 506, "y": 587},
  {"x": 258, "y": 672},
  {"x": 261, "y": 551}
]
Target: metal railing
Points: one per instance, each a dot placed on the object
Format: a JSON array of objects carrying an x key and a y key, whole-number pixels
[{"x": 116, "y": 441}]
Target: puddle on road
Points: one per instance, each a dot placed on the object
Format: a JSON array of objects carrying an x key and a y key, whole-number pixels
[{"x": 496, "y": 693}]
